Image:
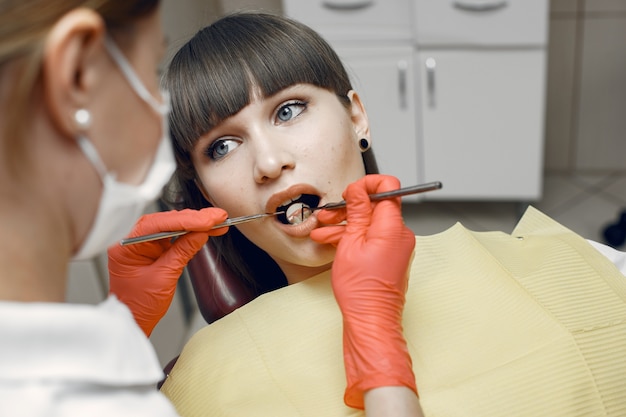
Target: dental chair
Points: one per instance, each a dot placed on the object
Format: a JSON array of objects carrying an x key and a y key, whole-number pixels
[{"x": 218, "y": 290}]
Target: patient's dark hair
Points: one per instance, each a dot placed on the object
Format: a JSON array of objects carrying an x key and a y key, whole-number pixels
[{"x": 212, "y": 78}]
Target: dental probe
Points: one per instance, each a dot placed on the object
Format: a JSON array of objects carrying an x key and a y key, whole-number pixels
[
  {"x": 415, "y": 189},
  {"x": 164, "y": 235}
]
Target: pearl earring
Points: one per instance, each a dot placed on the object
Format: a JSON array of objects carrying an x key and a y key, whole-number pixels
[
  {"x": 364, "y": 144},
  {"x": 82, "y": 118}
]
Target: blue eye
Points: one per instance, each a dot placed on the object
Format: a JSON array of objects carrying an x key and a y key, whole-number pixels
[
  {"x": 221, "y": 147},
  {"x": 288, "y": 111}
]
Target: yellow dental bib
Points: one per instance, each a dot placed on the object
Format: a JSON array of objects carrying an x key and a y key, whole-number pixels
[{"x": 527, "y": 324}]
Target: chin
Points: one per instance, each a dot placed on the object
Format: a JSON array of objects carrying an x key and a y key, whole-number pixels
[{"x": 308, "y": 254}]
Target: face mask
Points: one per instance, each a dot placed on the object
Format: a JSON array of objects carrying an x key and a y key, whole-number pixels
[{"x": 122, "y": 204}]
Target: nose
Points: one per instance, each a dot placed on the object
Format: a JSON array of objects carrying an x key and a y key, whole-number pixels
[{"x": 271, "y": 159}]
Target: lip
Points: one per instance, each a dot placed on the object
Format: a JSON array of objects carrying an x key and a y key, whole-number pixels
[
  {"x": 288, "y": 194},
  {"x": 300, "y": 230}
]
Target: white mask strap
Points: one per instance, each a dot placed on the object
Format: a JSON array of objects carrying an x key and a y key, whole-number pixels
[
  {"x": 132, "y": 77},
  {"x": 92, "y": 154}
]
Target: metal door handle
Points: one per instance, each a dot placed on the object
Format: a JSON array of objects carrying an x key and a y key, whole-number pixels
[
  {"x": 480, "y": 5},
  {"x": 347, "y": 4},
  {"x": 431, "y": 66},
  {"x": 402, "y": 83}
]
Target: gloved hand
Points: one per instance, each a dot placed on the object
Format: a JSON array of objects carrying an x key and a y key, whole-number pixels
[
  {"x": 144, "y": 275},
  {"x": 369, "y": 279}
]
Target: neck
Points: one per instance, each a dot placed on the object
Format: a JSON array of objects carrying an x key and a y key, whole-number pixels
[
  {"x": 33, "y": 259},
  {"x": 45, "y": 201},
  {"x": 298, "y": 273}
]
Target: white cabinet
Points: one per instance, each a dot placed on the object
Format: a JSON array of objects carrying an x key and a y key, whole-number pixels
[
  {"x": 383, "y": 77},
  {"x": 355, "y": 20},
  {"x": 482, "y": 127},
  {"x": 481, "y": 22},
  {"x": 454, "y": 89}
]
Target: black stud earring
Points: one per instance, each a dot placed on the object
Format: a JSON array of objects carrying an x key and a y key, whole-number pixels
[{"x": 364, "y": 144}]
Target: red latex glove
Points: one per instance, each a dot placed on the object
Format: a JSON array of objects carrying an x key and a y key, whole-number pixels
[
  {"x": 144, "y": 275},
  {"x": 369, "y": 279}
]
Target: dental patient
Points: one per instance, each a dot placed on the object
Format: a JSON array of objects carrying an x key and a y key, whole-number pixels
[{"x": 356, "y": 314}]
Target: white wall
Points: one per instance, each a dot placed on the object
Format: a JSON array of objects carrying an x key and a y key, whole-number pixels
[
  {"x": 586, "y": 102},
  {"x": 267, "y": 5},
  {"x": 183, "y": 18}
]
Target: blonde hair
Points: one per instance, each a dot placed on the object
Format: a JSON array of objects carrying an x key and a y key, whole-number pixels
[{"x": 24, "y": 25}]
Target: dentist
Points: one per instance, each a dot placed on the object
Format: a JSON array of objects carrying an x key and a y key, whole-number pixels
[{"x": 83, "y": 149}]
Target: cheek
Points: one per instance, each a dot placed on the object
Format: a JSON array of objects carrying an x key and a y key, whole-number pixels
[
  {"x": 332, "y": 143},
  {"x": 345, "y": 163},
  {"x": 137, "y": 136},
  {"x": 228, "y": 191},
  {"x": 344, "y": 156}
]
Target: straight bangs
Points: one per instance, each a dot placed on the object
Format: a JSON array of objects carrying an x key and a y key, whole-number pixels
[{"x": 223, "y": 66}]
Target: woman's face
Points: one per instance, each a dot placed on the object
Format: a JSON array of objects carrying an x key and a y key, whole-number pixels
[{"x": 301, "y": 143}]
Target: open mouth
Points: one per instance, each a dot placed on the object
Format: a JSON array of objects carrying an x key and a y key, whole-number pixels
[{"x": 298, "y": 209}]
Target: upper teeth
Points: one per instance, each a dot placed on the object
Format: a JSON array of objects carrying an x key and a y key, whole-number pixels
[{"x": 287, "y": 202}]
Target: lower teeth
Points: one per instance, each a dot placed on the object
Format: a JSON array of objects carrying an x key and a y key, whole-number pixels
[{"x": 297, "y": 213}]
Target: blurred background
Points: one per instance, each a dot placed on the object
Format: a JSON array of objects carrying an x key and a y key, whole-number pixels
[{"x": 507, "y": 102}]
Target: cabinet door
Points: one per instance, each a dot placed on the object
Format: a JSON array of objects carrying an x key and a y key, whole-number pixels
[
  {"x": 383, "y": 78},
  {"x": 482, "y": 122},
  {"x": 355, "y": 20},
  {"x": 481, "y": 22}
]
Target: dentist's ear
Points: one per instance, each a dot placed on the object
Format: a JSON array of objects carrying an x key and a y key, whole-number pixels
[
  {"x": 358, "y": 115},
  {"x": 71, "y": 66}
]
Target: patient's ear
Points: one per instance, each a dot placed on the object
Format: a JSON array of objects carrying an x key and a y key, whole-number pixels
[
  {"x": 71, "y": 64},
  {"x": 358, "y": 115}
]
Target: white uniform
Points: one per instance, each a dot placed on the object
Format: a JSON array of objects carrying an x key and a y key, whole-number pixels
[{"x": 60, "y": 359}]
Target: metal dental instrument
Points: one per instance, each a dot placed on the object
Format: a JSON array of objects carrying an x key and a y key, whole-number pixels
[
  {"x": 165, "y": 235},
  {"x": 415, "y": 189}
]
